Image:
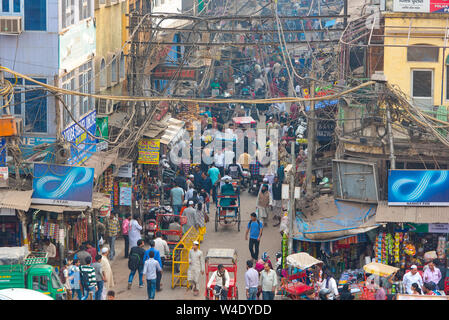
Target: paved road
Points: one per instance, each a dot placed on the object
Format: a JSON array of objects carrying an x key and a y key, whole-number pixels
[{"x": 226, "y": 237}]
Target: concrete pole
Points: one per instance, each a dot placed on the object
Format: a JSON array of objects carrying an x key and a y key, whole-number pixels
[
  {"x": 311, "y": 135},
  {"x": 390, "y": 140},
  {"x": 291, "y": 209}
]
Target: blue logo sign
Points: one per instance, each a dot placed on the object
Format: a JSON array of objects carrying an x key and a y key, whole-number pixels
[
  {"x": 418, "y": 187},
  {"x": 62, "y": 185},
  {"x": 82, "y": 145}
]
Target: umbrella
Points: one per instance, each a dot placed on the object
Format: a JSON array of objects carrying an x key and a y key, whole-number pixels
[{"x": 379, "y": 269}]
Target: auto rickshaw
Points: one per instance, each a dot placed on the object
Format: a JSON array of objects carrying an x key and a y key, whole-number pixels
[{"x": 228, "y": 258}]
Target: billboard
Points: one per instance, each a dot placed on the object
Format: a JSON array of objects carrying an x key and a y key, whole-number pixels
[
  {"x": 149, "y": 151},
  {"x": 426, "y": 6},
  {"x": 62, "y": 185},
  {"x": 82, "y": 145},
  {"x": 418, "y": 187}
]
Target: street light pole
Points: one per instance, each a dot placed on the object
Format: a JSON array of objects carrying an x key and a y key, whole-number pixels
[{"x": 291, "y": 209}]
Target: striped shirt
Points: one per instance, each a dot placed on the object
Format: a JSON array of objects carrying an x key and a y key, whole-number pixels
[
  {"x": 92, "y": 279},
  {"x": 113, "y": 227}
]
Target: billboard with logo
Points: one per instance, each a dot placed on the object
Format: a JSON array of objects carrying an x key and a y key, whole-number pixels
[
  {"x": 62, "y": 185},
  {"x": 418, "y": 187},
  {"x": 426, "y": 6}
]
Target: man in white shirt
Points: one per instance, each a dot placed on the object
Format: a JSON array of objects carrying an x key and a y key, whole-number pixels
[
  {"x": 258, "y": 83},
  {"x": 251, "y": 281},
  {"x": 222, "y": 279},
  {"x": 410, "y": 278},
  {"x": 219, "y": 159},
  {"x": 329, "y": 283},
  {"x": 268, "y": 282},
  {"x": 50, "y": 248},
  {"x": 161, "y": 246}
]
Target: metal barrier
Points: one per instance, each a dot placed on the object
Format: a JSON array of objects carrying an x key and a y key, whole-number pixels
[{"x": 180, "y": 263}]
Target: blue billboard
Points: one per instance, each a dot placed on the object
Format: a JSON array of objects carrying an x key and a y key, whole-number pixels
[
  {"x": 418, "y": 187},
  {"x": 62, "y": 185},
  {"x": 82, "y": 145}
]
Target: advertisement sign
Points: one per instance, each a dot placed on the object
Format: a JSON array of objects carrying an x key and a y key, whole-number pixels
[
  {"x": 411, "y": 5},
  {"x": 2, "y": 152},
  {"x": 439, "y": 227},
  {"x": 3, "y": 177},
  {"x": 125, "y": 171},
  {"x": 149, "y": 151},
  {"x": 82, "y": 145},
  {"x": 170, "y": 72},
  {"x": 103, "y": 132},
  {"x": 31, "y": 153},
  {"x": 62, "y": 185},
  {"x": 125, "y": 194},
  {"x": 418, "y": 187},
  {"x": 427, "y": 6}
]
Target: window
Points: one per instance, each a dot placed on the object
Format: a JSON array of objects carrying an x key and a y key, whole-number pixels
[
  {"x": 16, "y": 5},
  {"x": 35, "y": 15},
  {"x": 5, "y": 5},
  {"x": 422, "y": 54},
  {"x": 85, "y": 84},
  {"x": 114, "y": 77},
  {"x": 422, "y": 83},
  {"x": 68, "y": 83},
  {"x": 122, "y": 66},
  {"x": 84, "y": 9},
  {"x": 102, "y": 74},
  {"x": 68, "y": 13},
  {"x": 55, "y": 281},
  {"x": 40, "y": 283}
]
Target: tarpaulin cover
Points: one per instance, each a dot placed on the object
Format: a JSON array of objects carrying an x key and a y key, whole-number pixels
[
  {"x": 379, "y": 269},
  {"x": 334, "y": 220},
  {"x": 13, "y": 255},
  {"x": 302, "y": 260}
]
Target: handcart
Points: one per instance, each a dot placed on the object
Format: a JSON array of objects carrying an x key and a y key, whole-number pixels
[
  {"x": 293, "y": 285},
  {"x": 228, "y": 258},
  {"x": 173, "y": 236},
  {"x": 228, "y": 209}
]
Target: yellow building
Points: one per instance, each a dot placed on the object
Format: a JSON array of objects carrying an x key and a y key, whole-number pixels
[
  {"x": 110, "y": 57},
  {"x": 415, "y": 58}
]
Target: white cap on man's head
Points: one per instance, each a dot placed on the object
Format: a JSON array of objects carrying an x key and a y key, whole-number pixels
[
  {"x": 104, "y": 250},
  {"x": 190, "y": 202},
  {"x": 196, "y": 242},
  {"x": 413, "y": 267}
]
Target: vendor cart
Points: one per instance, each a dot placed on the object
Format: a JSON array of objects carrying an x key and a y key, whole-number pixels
[
  {"x": 228, "y": 258},
  {"x": 375, "y": 268},
  {"x": 228, "y": 209},
  {"x": 293, "y": 285},
  {"x": 173, "y": 236}
]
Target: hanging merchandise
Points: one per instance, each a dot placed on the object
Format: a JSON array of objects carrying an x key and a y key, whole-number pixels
[
  {"x": 396, "y": 247},
  {"x": 410, "y": 249},
  {"x": 284, "y": 250}
]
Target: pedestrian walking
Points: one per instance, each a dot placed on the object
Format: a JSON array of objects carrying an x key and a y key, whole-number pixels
[
  {"x": 268, "y": 282},
  {"x": 277, "y": 201},
  {"x": 190, "y": 214},
  {"x": 150, "y": 272},
  {"x": 254, "y": 229},
  {"x": 214, "y": 175},
  {"x": 92, "y": 251},
  {"x": 157, "y": 257},
  {"x": 82, "y": 255},
  {"x": 125, "y": 233},
  {"x": 162, "y": 246},
  {"x": 176, "y": 198},
  {"x": 99, "y": 276},
  {"x": 251, "y": 281},
  {"x": 221, "y": 278},
  {"x": 196, "y": 265},
  {"x": 112, "y": 230},
  {"x": 136, "y": 262},
  {"x": 411, "y": 277},
  {"x": 200, "y": 222},
  {"x": 432, "y": 274},
  {"x": 88, "y": 279},
  {"x": 263, "y": 201},
  {"x": 75, "y": 279},
  {"x": 65, "y": 278},
  {"x": 134, "y": 230},
  {"x": 110, "y": 295},
  {"x": 107, "y": 270}
]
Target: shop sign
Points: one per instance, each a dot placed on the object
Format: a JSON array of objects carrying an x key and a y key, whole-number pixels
[
  {"x": 439, "y": 227},
  {"x": 2, "y": 152},
  {"x": 418, "y": 187},
  {"x": 125, "y": 194},
  {"x": 31, "y": 153},
  {"x": 427, "y": 6},
  {"x": 168, "y": 73},
  {"x": 3, "y": 177},
  {"x": 149, "y": 151},
  {"x": 116, "y": 194},
  {"x": 125, "y": 171},
  {"x": 102, "y": 132},
  {"x": 82, "y": 145},
  {"x": 325, "y": 130},
  {"x": 62, "y": 185}
]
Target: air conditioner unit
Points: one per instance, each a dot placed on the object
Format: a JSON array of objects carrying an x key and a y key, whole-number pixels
[
  {"x": 104, "y": 107},
  {"x": 10, "y": 25}
]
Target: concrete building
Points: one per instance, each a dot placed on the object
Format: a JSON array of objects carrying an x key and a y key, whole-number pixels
[{"x": 53, "y": 42}]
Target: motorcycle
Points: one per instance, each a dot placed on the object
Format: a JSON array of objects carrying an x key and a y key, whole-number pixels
[
  {"x": 246, "y": 179},
  {"x": 278, "y": 263},
  {"x": 254, "y": 185}
]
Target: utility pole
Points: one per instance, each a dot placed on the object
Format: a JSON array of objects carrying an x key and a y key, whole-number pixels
[
  {"x": 311, "y": 135},
  {"x": 390, "y": 140},
  {"x": 292, "y": 201}
]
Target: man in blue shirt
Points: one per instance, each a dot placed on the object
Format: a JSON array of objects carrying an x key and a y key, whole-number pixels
[
  {"x": 255, "y": 228},
  {"x": 214, "y": 175},
  {"x": 157, "y": 257},
  {"x": 150, "y": 270},
  {"x": 176, "y": 198}
]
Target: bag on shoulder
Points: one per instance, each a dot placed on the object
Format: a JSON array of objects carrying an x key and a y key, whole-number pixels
[
  {"x": 206, "y": 217},
  {"x": 134, "y": 261},
  {"x": 84, "y": 277}
]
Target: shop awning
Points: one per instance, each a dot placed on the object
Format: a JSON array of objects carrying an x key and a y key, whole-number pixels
[
  {"x": 411, "y": 214},
  {"x": 13, "y": 199},
  {"x": 100, "y": 161},
  {"x": 100, "y": 199},
  {"x": 57, "y": 209},
  {"x": 156, "y": 128},
  {"x": 334, "y": 220},
  {"x": 174, "y": 128}
]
